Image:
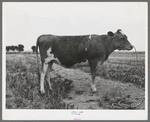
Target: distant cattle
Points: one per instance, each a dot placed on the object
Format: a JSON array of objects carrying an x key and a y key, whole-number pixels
[{"x": 78, "y": 51}]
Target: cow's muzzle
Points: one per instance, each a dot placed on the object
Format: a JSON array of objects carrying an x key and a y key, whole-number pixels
[{"x": 129, "y": 47}]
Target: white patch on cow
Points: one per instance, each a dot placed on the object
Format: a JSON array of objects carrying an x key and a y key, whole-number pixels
[
  {"x": 50, "y": 56},
  {"x": 90, "y": 37},
  {"x": 44, "y": 70},
  {"x": 49, "y": 52},
  {"x": 93, "y": 88},
  {"x": 86, "y": 47}
]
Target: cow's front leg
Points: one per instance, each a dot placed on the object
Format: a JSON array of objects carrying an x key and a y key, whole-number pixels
[
  {"x": 93, "y": 64},
  {"x": 93, "y": 71},
  {"x": 49, "y": 69}
]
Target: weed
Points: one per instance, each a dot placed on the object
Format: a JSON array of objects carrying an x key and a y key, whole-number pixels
[{"x": 112, "y": 96}]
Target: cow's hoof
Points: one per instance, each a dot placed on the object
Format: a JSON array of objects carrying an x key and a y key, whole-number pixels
[
  {"x": 42, "y": 91},
  {"x": 94, "y": 92},
  {"x": 93, "y": 88},
  {"x": 51, "y": 90}
]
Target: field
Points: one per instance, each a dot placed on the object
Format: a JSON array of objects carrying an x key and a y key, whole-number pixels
[{"x": 118, "y": 79}]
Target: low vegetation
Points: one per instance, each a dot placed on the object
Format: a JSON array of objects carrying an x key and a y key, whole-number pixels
[
  {"x": 22, "y": 88},
  {"x": 113, "y": 96},
  {"x": 119, "y": 98},
  {"x": 127, "y": 70}
]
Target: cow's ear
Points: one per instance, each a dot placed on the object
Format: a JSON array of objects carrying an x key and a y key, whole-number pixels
[
  {"x": 119, "y": 30},
  {"x": 110, "y": 33}
]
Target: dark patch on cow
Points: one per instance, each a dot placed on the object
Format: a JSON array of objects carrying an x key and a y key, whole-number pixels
[{"x": 70, "y": 50}]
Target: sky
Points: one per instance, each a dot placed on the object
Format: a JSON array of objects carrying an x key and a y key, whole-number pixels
[{"x": 24, "y": 22}]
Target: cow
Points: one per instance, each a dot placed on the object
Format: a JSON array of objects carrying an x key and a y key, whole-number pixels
[{"x": 77, "y": 51}]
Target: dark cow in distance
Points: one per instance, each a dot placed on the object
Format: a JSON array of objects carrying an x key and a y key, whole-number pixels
[{"x": 78, "y": 51}]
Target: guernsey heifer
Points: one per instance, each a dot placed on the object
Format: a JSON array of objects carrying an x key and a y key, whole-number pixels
[{"x": 78, "y": 51}]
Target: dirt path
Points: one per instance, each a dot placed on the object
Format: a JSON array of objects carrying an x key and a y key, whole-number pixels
[{"x": 80, "y": 95}]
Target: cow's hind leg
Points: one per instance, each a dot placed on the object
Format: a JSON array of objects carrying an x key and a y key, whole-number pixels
[
  {"x": 49, "y": 69},
  {"x": 43, "y": 73}
]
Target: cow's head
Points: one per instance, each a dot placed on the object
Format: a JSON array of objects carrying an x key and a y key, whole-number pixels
[{"x": 120, "y": 41}]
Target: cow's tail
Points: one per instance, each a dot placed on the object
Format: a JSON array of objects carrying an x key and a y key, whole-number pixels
[{"x": 38, "y": 72}]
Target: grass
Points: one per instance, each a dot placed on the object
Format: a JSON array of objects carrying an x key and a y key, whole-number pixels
[{"x": 22, "y": 88}]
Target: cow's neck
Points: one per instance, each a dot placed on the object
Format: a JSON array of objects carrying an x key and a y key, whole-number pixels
[{"x": 110, "y": 48}]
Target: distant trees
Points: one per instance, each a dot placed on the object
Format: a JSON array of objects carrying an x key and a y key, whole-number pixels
[
  {"x": 12, "y": 47},
  {"x": 33, "y": 48},
  {"x": 7, "y": 48},
  {"x": 16, "y": 48},
  {"x": 19, "y": 48}
]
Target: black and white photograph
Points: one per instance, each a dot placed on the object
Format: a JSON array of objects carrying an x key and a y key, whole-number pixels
[{"x": 75, "y": 60}]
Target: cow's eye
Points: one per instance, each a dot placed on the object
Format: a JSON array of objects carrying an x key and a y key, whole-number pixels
[{"x": 122, "y": 39}]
